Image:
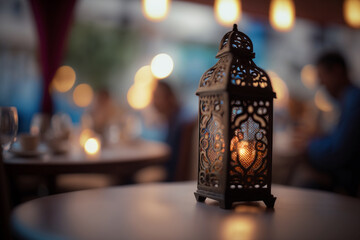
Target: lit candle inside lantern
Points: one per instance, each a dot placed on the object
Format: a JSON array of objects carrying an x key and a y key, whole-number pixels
[
  {"x": 246, "y": 152},
  {"x": 92, "y": 146}
]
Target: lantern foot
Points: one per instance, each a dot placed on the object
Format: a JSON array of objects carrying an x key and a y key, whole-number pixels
[
  {"x": 270, "y": 201},
  {"x": 199, "y": 197}
]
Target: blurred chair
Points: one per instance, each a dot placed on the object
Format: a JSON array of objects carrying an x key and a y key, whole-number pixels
[{"x": 187, "y": 166}]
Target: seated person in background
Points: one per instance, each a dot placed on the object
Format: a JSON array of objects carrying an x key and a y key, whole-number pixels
[
  {"x": 104, "y": 111},
  {"x": 179, "y": 126},
  {"x": 338, "y": 154}
]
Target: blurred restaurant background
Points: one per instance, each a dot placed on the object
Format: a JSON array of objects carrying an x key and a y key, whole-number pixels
[{"x": 110, "y": 54}]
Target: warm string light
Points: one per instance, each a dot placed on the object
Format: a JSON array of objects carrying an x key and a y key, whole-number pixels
[
  {"x": 227, "y": 12},
  {"x": 64, "y": 79},
  {"x": 155, "y": 10},
  {"x": 282, "y": 14},
  {"x": 351, "y": 11},
  {"x": 140, "y": 93},
  {"x": 83, "y": 95},
  {"x": 162, "y": 65}
]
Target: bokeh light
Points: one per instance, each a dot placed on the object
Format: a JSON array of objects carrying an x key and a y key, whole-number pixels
[
  {"x": 144, "y": 76},
  {"x": 92, "y": 146},
  {"x": 155, "y": 10},
  {"x": 85, "y": 135},
  {"x": 83, "y": 95},
  {"x": 281, "y": 90},
  {"x": 282, "y": 14},
  {"x": 322, "y": 102},
  {"x": 139, "y": 96},
  {"x": 351, "y": 11},
  {"x": 64, "y": 79},
  {"x": 162, "y": 65},
  {"x": 309, "y": 76},
  {"x": 227, "y": 12}
]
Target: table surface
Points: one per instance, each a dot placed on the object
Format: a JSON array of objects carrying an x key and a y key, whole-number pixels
[
  {"x": 169, "y": 211},
  {"x": 140, "y": 153}
]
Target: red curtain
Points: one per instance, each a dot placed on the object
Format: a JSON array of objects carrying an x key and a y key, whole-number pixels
[{"x": 53, "y": 19}]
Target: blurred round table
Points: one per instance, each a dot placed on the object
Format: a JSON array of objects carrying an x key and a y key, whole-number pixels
[
  {"x": 112, "y": 160},
  {"x": 169, "y": 211},
  {"x": 121, "y": 161}
]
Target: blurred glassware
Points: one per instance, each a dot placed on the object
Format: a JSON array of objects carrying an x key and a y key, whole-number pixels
[
  {"x": 8, "y": 126},
  {"x": 58, "y": 136},
  {"x": 112, "y": 134},
  {"x": 40, "y": 125},
  {"x": 61, "y": 126}
]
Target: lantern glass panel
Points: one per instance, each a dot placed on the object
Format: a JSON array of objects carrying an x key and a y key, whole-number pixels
[{"x": 249, "y": 143}]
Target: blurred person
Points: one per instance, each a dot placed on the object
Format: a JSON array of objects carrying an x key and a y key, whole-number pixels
[
  {"x": 337, "y": 155},
  {"x": 104, "y": 111},
  {"x": 179, "y": 128}
]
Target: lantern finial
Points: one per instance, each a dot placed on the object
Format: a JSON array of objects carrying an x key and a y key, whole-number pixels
[{"x": 235, "y": 27}]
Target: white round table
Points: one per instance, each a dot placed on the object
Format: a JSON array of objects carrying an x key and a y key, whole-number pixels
[{"x": 170, "y": 211}]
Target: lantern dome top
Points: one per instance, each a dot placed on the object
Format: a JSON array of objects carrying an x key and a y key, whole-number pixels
[
  {"x": 236, "y": 71},
  {"x": 236, "y": 42}
]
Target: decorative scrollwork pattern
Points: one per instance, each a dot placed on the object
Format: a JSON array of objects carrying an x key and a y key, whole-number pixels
[
  {"x": 217, "y": 74},
  {"x": 249, "y": 144},
  {"x": 245, "y": 73},
  {"x": 212, "y": 144},
  {"x": 236, "y": 40}
]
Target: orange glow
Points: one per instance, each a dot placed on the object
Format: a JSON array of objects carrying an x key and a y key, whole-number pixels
[
  {"x": 83, "y": 95},
  {"x": 308, "y": 76},
  {"x": 92, "y": 146},
  {"x": 282, "y": 14},
  {"x": 351, "y": 11},
  {"x": 85, "y": 135},
  {"x": 162, "y": 65},
  {"x": 64, "y": 79},
  {"x": 322, "y": 102},
  {"x": 238, "y": 227},
  {"x": 155, "y": 10},
  {"x": 227, "y": 12},
  {"x": 139, "y": 96},
  {"x": 246, "y": 151},
  {"x": 281, "y": 90}
]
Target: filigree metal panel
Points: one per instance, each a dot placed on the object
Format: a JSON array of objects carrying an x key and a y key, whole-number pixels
[
  {"x": 216, "y": 75},
  {"x": 211, "y": 136},
  {"x": 236, "y": 41},
  {"x": 245, "y": 73},
  {"x": 249, "y": 144}
]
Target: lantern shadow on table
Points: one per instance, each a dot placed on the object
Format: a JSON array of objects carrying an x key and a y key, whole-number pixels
[{"x": 235, "y": 127}]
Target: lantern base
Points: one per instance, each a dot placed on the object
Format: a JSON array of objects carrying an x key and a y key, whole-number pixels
[{"x": 226, "y": 203}]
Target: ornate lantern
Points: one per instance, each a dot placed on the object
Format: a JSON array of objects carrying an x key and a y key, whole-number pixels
[{"x": 235, "y": 127}]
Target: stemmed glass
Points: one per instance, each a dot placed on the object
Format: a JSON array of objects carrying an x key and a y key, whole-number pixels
[{"x": 8, "y": 126}]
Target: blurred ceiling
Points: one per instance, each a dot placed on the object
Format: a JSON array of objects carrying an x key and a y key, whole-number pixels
[{"x": 322, "y": 12}]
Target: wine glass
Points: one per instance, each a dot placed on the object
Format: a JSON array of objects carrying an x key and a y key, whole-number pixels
[{"x": 8, "y": 126}]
